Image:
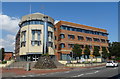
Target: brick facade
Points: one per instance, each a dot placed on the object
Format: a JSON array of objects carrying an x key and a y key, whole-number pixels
[
  {"x": 66, "y": 41},
  {"x": 8, "y": 55}
]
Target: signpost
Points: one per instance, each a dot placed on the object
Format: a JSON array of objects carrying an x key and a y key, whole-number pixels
[{"x": 91, "y": 56}]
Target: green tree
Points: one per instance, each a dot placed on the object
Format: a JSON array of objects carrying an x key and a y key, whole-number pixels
[
  {"x": 87, "y": 51},
  {"x": 105, "y": 53},
  {"x": 2, "y": 54},
  {"x": 77, "y": 51},
  {"x": 114, "y": 49},
  {"x": 96, "y": 51}
]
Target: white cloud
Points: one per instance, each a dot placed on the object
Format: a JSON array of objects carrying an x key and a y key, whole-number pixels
[
  {"x": 56, "y": 21},
  {"x": 8, "y": 42},
  {"x": 10, "y": 37},
  {"x": 9, "y": 23},
  {"x": 1, "y": 43}
]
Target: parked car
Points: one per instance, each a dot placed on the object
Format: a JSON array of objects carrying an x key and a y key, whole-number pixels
[{"x": 111, "y": 64}]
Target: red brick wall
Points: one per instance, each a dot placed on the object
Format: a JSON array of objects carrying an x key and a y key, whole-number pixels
[{"x": 8, "y": 56}]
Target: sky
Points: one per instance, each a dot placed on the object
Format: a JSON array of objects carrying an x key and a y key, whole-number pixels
[{"x": 96, "y": 14}]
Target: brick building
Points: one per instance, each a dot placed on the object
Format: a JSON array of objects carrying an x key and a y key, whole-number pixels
[
  {"x": 8, "y": 55},
  {"x": 67, "y": 34}
]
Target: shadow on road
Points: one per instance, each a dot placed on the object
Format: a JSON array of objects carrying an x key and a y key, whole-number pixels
[{"x": 115, "y": 77}]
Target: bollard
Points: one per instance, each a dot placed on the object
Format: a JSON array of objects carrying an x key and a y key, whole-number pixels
[{"x": 28, "y": 67}]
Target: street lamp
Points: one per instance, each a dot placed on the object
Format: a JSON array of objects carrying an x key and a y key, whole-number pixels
[{"x": 45, "y": 36}]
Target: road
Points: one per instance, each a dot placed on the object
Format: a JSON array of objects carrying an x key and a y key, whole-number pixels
[{"x": 82, "y": 72}]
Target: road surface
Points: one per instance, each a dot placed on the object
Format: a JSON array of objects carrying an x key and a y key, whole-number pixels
[{"x": 81, "y": 72}]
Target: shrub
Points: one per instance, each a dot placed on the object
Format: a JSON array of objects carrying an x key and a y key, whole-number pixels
[
  {"x": 4, "y": 62},
  {"x": 86, "y": 62},
  {"x": 45, "y": 54},
  {"x": 118, "y": 58}
]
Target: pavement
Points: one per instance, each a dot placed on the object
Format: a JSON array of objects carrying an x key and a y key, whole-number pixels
[{"x": 19, "y": 72}]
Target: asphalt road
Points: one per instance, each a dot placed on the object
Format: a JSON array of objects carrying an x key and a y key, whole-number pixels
[{"x": 82, "y": 72}]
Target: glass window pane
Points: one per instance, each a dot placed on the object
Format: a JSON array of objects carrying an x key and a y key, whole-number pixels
[{"x": 38, "y": 35}]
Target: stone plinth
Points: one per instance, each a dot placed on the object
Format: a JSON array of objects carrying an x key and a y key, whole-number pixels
[{"x": 45, "y": 62}]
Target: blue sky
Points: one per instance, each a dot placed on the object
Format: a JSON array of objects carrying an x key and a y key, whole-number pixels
[{"x": 97, "y": 14}]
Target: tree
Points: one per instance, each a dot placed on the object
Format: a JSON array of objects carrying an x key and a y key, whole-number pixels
[
  {"x": 87, "y": 51},
  {"x": 96, "y": 51},
  {"x": 105, "y": 53},
  {"x": 77, "y": 51},
  {"x": 2, "y": 54},
  {"x": 114, "y": 49}
]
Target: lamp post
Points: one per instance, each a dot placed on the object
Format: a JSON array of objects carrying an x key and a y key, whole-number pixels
[
  {"x": 45, "y": 36},
  {"x": 101, "y": 55}
]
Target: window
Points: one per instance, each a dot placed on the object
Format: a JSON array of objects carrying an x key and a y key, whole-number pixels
[
  {"x": 33, "y": 34},
  {"x": 50, "y": 34},
  {"x": 32, "y": 43},
  {"x": 70, "y": 45},
  {"x": 97, "y": 33},
  {"x": 86, "y": 31},
  {"x": 55, "y": 46},
  {"x": 72, "y": 29},
  {"x": 79, "y": 30},
  {"x": 38, "y": 35},
  {"x": 35, "y": 42},
  {"x": 80, "y": 38},
  {"x": 50, "y": 24},
  {"x": 41, "y": 22},
  {"x": 96, "y": 40},
  {"x": 55, "y": 37},
  {"x": 62, "y": 36},
  {"x": 107, "y": 41},
  {"x": 34, "y": 22},
  {"x": 62, "y": 45},
  {"x": 23, "y": 43},
  {"x": 90, "y": 46},
  {"x": 23, "y": 35},
  {"x": 50, "y": 44},
  {"x": 100, "y": 33},
  {"x": 88, "y": 39},
  {"x": 55, "y": 29},
  {"x": 68, "y": 28},
  {"x": 104, "y": 34},
  {"x": 65, "y": 27},
  {"x": 71, "y": 37},
  {"x": 103, "y": 40},
  {"x": 23, "y": 38}
]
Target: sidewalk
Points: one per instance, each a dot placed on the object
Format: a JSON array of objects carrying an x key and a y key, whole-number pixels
[{"x": 19, "y": 71}]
